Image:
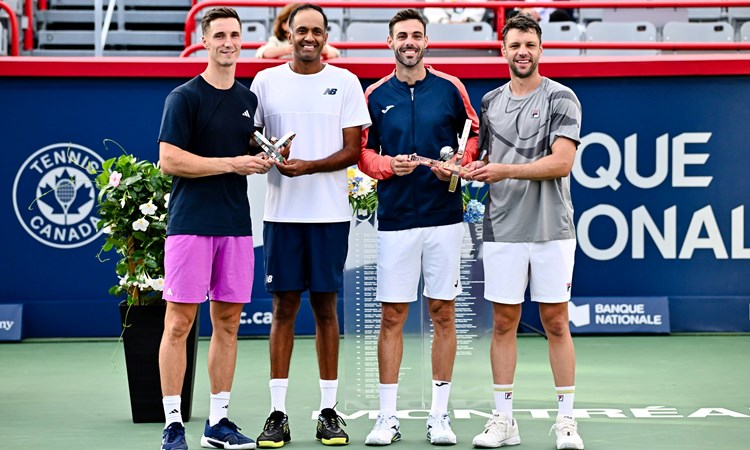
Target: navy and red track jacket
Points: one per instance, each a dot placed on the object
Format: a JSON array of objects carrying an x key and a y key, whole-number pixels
[{"x": 422, "y": 123}]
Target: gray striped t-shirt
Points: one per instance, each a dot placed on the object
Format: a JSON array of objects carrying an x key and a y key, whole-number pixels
[{"x": 519, "y": 130}]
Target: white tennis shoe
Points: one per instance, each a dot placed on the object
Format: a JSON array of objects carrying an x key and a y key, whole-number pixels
[
  {"x": 498, "y": 431},
  {"x": 566, "y": 430},
  {"x": 439, "y": 430},
  {"x": 385, "y": 431}
]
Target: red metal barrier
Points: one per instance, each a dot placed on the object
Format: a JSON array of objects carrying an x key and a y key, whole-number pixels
[
  {"x": 13, "y": 21},
  {"x": 498, "y": 6},
  {"x": 490, "y": 45}
]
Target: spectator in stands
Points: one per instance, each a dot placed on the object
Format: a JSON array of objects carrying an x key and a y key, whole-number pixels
[
  {"x": 422, "y": 236},
  {"x": 544, "y": 14},
  {"x": 307, "y": 213},
  {"x": 278, "y": 45},
  {"x": 530, "y": 131},
  {"x": 204, "y": 144},
  {"x": 446, "y": 14}
]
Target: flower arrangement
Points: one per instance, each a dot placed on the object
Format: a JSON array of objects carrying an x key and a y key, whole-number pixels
[
  {"x": 132, "y": 204},
  {"x": 473, "y": 204},
  {"x": 363, "y": 196}
]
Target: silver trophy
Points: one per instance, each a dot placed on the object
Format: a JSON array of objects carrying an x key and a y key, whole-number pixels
[
  {"x": 273, "y": 150},
  {"x": 446, "y": 153}
]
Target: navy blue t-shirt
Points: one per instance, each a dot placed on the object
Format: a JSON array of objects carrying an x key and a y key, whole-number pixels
[{"x": 209, "y": 122}]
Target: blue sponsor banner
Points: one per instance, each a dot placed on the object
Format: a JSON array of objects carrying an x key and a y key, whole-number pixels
[
  {"x": 605, "y": 315},
  {"x": 11, "y": 321},
  {"x": 659, "y": 189}
]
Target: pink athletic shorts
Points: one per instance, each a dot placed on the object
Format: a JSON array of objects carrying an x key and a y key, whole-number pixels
[{"x": 220, "y": 266}]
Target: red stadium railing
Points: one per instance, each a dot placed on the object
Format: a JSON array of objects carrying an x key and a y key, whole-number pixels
[
  {"x": 499, "y": 7},
  {"x": 13, "y": 21}
]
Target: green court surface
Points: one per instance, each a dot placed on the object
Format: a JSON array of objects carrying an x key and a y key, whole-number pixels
[{"x": 656, "y": 392}]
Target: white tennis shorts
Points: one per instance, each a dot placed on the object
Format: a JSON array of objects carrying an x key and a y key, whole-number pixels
[
  {"x": 510, "y": 266},
  {"x": 433, "y": 252}
]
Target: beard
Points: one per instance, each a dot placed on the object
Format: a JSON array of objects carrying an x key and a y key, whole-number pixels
[
  {"x": 531, "y": 71},
  {"x": 409, "y": 62}
]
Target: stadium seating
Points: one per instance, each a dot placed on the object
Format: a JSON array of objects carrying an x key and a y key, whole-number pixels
[
  {"x": 620, "y": 32},
  {"x": 706, "y": 14},
  {"x": 3, "y": 41},
  {"x": 745, "y": 32},
  {"x": 561, "y": 31},
  {"x": 367, "y": 32},
  {"x": 481, "y": 31},
  {"x": 697, "y": 32}
]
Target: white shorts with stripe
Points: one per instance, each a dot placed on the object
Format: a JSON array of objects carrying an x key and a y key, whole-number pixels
[
  {"x": 404, "y": 255},
  {"x": 510, "y": 266}
]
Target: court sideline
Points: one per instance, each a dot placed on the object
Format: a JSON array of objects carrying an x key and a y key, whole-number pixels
[{"x": 73, "y": 394}]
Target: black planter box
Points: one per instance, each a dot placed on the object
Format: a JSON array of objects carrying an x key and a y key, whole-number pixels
[{"x": 144, "y": 326}]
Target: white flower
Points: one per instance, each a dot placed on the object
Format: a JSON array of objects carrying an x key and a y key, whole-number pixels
[
  {"x": 140, "y": 224},
  {"x": 148, "y": 209},
  {"x": 123, "y": 281},
  {"x": 157, "y": 284},
  {"x": 114, "y": 179},
  {"x": 107, "y": 229},
  {"x": 122, "y": 202},
  {"x": 166, "y": 200}
]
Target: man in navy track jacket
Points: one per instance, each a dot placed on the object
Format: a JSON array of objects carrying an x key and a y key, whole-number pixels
[{"x": 416, "y": 110}]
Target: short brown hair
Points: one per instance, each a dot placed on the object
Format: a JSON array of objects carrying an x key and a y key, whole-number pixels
[
  {"x": 406, "y": 14},
  {"x": 218, "y": 13},
  {"x": 524, "y": 23}
]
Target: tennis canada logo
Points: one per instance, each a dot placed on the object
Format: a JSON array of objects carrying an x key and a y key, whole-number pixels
[{"x": 54, "y": 195}]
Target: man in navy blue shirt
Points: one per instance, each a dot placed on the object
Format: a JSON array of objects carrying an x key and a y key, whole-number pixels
[
  {"x": 416, "y": 110},
  {"x": 204, "y": 143}
]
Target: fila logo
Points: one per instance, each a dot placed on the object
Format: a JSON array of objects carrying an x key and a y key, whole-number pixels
[
  {"x": 560, "y": 397},
  {"x": 534, "y": 113},
  {"x": 246, "y": 114},
  {"x": 508, "y": 395},
  {"x": 330, "y": 91},
  {"x": 387, "y": 108}
]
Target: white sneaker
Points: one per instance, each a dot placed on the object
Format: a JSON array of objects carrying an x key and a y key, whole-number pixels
[
  {"x": 384, "y": 432},
  {"x": 439, "y": 430},
  {"x": 498, "y": 431},
  {"x": 566, "y": 430}
]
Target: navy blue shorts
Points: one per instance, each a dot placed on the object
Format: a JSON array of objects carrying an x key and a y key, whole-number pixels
[{"x": 305, "y": 256}]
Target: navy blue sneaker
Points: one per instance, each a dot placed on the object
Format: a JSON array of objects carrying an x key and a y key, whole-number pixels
[
  {"x": 225, "y": 434},
  {"x": 173, "y": 437}
]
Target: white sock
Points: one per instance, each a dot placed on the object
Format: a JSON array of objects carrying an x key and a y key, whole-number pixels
[
  {"x": 504, "y": 399},
  {"x": 278, "y": 388},
  {"x": 172, "y": 412},
  {"x": 328, "y": 390},
  {"x": 441, "y": 391},
  {"x": 388, "y": 396},
  {"x": 565, "y": 397},
  {"x": 219, "y": 407}
]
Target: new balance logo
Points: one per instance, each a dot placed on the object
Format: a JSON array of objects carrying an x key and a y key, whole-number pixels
[
  {"x": 387, "y": 108},
  {"x": 246, "y": 114},
  {"x": 330, "y": 91}
]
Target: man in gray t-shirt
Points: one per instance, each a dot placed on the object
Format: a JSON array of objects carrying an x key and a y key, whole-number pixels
[{"x": 530, "y": 130}]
